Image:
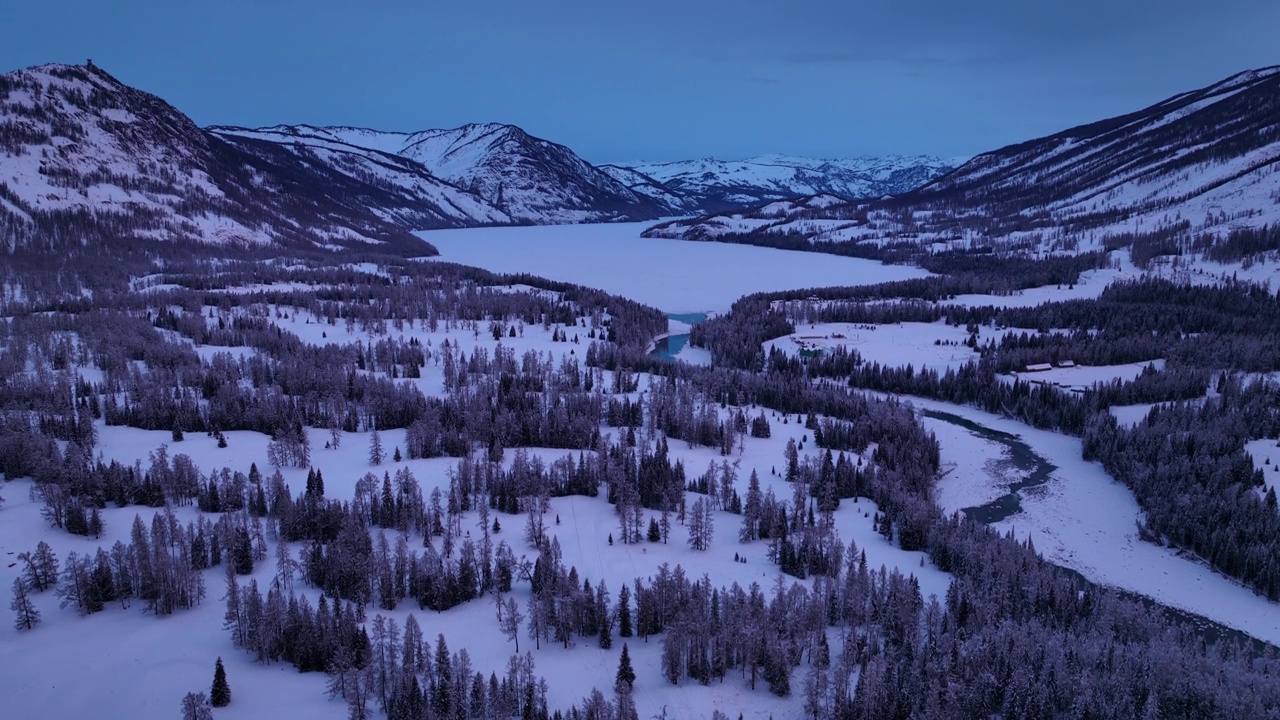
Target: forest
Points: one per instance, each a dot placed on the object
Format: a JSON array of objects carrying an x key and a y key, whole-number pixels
[{"x": 1014, "y": 636}]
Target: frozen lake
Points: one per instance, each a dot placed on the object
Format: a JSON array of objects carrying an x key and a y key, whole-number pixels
[{"x": 675, "y": 276}]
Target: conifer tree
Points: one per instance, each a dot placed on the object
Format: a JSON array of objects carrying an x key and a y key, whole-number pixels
[
  {"x": 25, "y": 613},
  {"x": 376, "y": 453},
  {"x": 220, "y": 694},
  {"x": 624, "y": 612},
  {"x": 242, "y": 552},
  {"x": 626, "y": 674}
]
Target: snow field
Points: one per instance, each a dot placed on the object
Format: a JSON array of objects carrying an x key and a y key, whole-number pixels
[
  {"x": 1083, "y": 377},
  {"x": 1266, "y": 457},
  {"x": 136, "y": 664},
  {"x": 894, "y": 345}
]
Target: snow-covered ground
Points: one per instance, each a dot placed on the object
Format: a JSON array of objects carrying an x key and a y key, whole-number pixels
[
  {"x": 974, "y": 470},
  {"x": 1090, "y": 285},
  {"x": 124, "y": 664},
  {"x": 1086, "y": 520},
  {"x": 1083, "y": 377},
  {"x": 1266, "y": 457},
  {"x": 1130, "y": 415},
  {"x": 923, "y": 345},
  {"x": 672, "y": 275}
]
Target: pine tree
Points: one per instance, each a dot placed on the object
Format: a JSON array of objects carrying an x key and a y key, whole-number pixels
[
  {"x": 376, "y": 454},
  {"x": 242, "y": 552},
  {"x": 220, "y": 694},
  {"x": 624, "y": 612},
  {"x": 25, "y": 613},
  {"x": 95, "y": 524},
  {"x": 626, "y": 674}
]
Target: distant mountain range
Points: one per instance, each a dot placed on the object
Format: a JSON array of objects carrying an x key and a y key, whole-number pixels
[
  {"x": 1195, "y": 173},
  {"x": 87, "y": 161},
  {"x": 711, "y": 185}
]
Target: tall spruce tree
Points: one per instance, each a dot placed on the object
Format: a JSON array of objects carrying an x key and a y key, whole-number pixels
[
  {"x": 220, "y": 694},
  {"x": 626, "y": 674}
]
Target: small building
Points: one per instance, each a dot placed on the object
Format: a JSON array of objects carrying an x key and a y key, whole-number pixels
[
  {"x": 1066, "y": 363},
  {"x": 1039, "y": 367}
]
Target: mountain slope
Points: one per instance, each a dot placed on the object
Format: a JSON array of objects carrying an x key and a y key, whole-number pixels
[
  {"x": 1189, "y": 172},
  {"x": 530, "y": 179},
  {"x": 88, "y": 161},
  {"x": 637, "y": 182},
  {"x": 715, "y": 185},
  {"x": 421, "y": 200}
]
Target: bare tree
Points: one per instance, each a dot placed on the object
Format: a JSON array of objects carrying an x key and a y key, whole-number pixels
[
  {"x": 509, "y": 618},
  {"x": 195, "y": 706}
]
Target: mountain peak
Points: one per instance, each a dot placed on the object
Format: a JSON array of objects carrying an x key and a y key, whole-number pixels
[{"x": 526, "y": 178}]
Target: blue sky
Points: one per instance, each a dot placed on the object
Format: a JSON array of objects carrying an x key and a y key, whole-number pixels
[{"x": 662, "y": 79}]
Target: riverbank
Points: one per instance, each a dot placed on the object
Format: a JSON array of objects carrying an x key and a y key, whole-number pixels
[{"x": 1081, "y": 518}]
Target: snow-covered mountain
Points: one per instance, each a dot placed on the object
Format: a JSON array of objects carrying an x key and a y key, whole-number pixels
[
  {"x": 88, "y": 161},
  {"x": 711, "y": 185},
  {"x": 530, "y": 179},
  {"x": 1177, "y": 177}
]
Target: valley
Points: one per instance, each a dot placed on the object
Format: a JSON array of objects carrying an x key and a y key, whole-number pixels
[{"x": 456, "y": 424}]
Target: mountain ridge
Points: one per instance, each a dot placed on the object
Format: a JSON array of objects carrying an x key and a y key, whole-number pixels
[
  {"x": 713, "y": 185},
  {"x": 530, "y": 179},
  {"x": 486, "y": 158},
  {"x": 88, "y": 160},
  {"x": 1176, "y": 177}
]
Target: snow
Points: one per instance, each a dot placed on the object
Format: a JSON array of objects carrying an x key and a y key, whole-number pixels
[
  {"x": 973, "y": 468},
  {"x": 1090, "y": 286},
  {"x": 483, "y": 166},
  {"x": 674, "y": 276},
  {"x": 1232, "y": 186},
  {"x": 1266, "y": 457},
  {"x": 1083, "y": 377},
  {"x": 1085, "y": 520},
  {"x": 1130, "y": 415},
  {"x": 789, "y": 176},
  {"x": 896, "y": 345},
  {"x": 694, "y": 355},
  {"x": 126, "y": 665}
]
